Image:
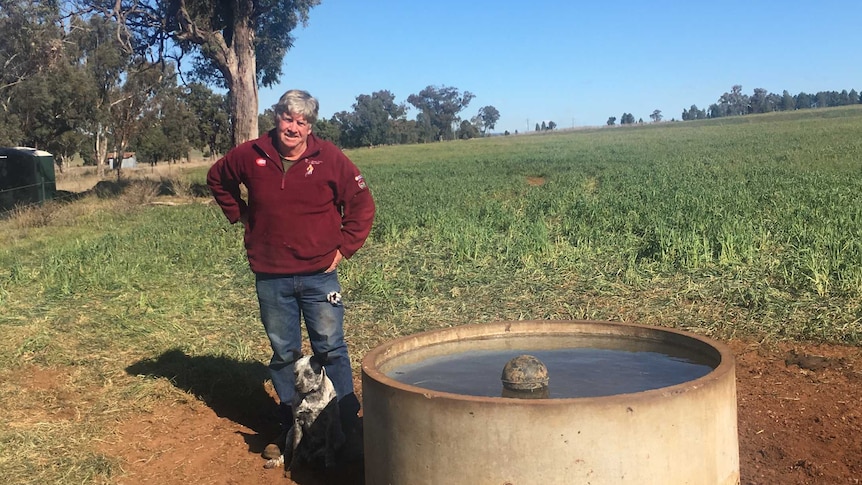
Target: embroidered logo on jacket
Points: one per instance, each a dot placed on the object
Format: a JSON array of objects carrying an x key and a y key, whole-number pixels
[
  {"x": 309, "y": 170},
  {"x": 261, "y": 162},
  {"x": 360, "y": 181}
]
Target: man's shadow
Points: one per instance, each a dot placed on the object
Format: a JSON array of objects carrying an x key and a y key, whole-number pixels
[{"x": 233, "y": 389}]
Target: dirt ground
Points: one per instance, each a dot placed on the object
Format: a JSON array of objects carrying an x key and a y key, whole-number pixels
[{"x": 800, "y": 422}]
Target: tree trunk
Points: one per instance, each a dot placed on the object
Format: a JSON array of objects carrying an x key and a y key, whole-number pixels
[
  {"x": 119, "y": 155},
  {"x": 242, "y": 85},
  {"x": 234, "y": 57},
  {"x": 100, "y": 150}
]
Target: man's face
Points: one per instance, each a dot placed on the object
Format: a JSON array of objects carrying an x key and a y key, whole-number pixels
[{"x": 293, "y": 130}]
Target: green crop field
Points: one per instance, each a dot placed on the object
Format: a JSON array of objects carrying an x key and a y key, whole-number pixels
[{"x": 739, "y": 227}]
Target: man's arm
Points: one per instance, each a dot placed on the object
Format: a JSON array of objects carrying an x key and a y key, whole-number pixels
[
  {"x": 224, "y": 183},
  {"x": 357, "y": 209}
]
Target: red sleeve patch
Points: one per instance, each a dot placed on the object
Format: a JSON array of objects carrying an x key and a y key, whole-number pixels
[{"x": 360, "y": 181}]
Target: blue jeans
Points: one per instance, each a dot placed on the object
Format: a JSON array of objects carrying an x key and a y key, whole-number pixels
[{"x": 316, "y": 298}]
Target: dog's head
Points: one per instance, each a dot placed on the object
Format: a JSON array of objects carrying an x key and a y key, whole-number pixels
[{"x": 309, "y": 373}]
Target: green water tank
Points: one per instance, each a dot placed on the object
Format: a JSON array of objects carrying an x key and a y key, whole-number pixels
[{"x": 26, "y": 177}]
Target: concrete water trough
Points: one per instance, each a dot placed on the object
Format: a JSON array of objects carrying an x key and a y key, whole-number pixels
[{"x": 623, "y": 403}]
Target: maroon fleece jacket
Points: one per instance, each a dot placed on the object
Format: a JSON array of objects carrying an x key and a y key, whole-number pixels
[{"x": 297, "y": 218}]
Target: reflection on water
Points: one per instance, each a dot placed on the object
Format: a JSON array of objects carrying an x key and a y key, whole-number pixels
[{"x": 574, "y": 372}]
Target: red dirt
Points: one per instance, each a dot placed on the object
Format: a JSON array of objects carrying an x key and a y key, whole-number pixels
[{"x": 800, "y": 422}]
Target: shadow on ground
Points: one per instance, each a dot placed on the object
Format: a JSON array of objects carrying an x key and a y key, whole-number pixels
[{"x": 233, "y": 389}]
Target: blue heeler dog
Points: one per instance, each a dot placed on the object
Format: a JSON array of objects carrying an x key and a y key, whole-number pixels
[{"x": 316, "y": 434}]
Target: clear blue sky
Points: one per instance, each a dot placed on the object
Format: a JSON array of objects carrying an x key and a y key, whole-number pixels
[{"x": 572, "y": 62}]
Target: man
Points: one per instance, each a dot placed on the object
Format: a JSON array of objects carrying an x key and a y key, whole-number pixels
[{"x": 308, "y": 207}]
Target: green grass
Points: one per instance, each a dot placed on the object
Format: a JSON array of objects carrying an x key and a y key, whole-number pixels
[{"x": 741, "y": 227}]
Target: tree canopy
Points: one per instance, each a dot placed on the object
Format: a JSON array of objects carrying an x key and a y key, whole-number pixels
[
  {"x": 488, "y": 115},
  {"x": 439, "y": 107},
  {"x": 235, "y": 44}
]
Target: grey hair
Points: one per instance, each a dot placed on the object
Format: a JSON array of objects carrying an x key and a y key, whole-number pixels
[{"x": 298, "y": 102}]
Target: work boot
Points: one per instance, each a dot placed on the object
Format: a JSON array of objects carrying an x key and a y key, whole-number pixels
[
  {"x": 348, "y": 410},
  {"x": 276, "y": 448}
]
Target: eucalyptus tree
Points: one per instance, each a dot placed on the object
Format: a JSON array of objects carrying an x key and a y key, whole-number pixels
[
  {"x": 31, "y": 41},
  {"x": 489, "y": 117},
  {"x": 804, "y": 100},
  {"x": 788, "y": 101},
  {"x": 439, "y": 107},
  {"x": 233, "y": 44},
  {"x": 425, "y": 129},
  {"x": 107, "y": 58},
  {"x": 55, "y": 109},
  {"x": 266, "y": 121},
  {"x": 759, "y": 101},
  {"x": 467, "y": 130},
  {"x": 734, "y": 103},
  {"x": 373, "y": 117},
  {"x": 693, "y": 113},
  {"x": 167, "y": 128},
  {"x": 347, "y": 122},
  {"x": 370, "y": 121},
  {"x": 10, "y": 129},
  {"x": 212, "y": 119},
  {"x": 45, "y": 94},
  {"x": 404, "y": 131},
  {"x": 144, "y": 91},
  {"x": 327, "y": 130}
]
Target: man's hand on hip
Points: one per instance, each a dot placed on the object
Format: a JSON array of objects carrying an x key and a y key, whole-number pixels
[{"x": 338, "y": 258}]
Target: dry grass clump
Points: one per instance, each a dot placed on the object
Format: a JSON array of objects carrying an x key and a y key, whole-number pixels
[
  {"x": 32, "y": 216},
  {"x": 81, "y": 196},
  {"x": 121, "y": 196}
]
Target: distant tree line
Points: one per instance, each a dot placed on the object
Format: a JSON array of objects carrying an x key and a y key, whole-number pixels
[
  {"x": 546, "y": 126},
  {"x": 628, "y": 118},
  {"x": 377, "y": 119},
  {"x": 736, "y": 103}
]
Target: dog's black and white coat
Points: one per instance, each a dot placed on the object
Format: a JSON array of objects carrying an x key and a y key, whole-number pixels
[{"x": 316, "y": 434}]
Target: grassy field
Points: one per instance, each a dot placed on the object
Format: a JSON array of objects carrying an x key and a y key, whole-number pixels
[{"x": 748, "y": 226}]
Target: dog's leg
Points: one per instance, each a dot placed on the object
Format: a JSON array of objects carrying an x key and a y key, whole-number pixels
[
  {"x": 289, "y": 450},
  {"x": 332, "y": 442},
  {"x": 334, "y": 434},
  {"x": 294, "y": 446}
]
